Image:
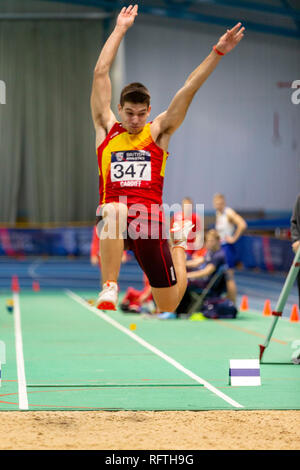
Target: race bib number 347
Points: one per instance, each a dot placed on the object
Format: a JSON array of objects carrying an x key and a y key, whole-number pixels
[{"x": 131, "y": 169}]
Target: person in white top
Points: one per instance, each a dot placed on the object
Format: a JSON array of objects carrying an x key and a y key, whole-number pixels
[{"x": 230, "y": 226}]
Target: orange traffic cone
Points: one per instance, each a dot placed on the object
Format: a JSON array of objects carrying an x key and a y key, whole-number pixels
[
  {"x": 294, "y": 314},
  {"x": 267, "y": 311},
  {"x": 15, "y": 284},
  {"x": 244, "y": 303},
  {"x": 35, "y": 286}
]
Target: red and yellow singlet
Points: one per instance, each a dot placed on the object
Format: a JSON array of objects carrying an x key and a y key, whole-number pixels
[{"x": 131, "y": 165}]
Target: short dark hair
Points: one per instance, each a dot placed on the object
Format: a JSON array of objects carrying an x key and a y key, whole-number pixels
[{"x": 135, "y": 93}]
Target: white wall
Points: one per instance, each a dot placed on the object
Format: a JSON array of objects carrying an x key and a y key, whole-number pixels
[{"x": 226, "y": 141}]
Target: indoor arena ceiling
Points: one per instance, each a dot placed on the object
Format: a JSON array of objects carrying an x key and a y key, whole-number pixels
[{"x": 280, "y": 17}]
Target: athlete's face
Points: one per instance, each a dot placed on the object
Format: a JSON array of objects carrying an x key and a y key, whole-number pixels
[
  {"x": 219, "y": 204},
  {"x": 134, "y": 116}
]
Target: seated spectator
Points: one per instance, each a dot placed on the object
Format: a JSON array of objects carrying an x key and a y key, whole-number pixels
[
  {"x": 197, "y": 254},
  {"x": 135, "y": 299},
  {"x": 201, "y": 270}
]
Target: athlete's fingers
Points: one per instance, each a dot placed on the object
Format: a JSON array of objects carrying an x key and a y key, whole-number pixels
[
  {"x": 134, "y": 10},
  {"x": 234, "y": 29},
  {"x": 239, "y": 34},
  {"x": 241, "y": 30},
  {"x": 127, "y": 10},
  {"x": 234, "y": 33},
  {"x": 238, "y": 39},
  {"x": 231, "y": 32}
]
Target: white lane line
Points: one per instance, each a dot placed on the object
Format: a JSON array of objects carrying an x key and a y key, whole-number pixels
[
  {"x": 153, "y": 349},
  {"x": 23, "y": 400}
]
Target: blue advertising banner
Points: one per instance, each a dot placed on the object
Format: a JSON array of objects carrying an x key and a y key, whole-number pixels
[
  {"x": 63, "y": 241},
  {"x": 266, "y": 253},
  {"x": 261, "y": 252}
]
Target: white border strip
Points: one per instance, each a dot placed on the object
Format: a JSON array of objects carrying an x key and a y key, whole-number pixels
[
  {"x": 153, "y": 349},
  {"x": 23, "y": 400}
]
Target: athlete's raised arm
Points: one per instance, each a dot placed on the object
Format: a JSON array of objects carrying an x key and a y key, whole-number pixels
[
  {"x": 102, "y": 115},
  {"x": 170, "y": 120}
]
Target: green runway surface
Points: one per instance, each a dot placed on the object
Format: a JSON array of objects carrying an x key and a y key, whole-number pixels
[{"x": 76, "y": 360}]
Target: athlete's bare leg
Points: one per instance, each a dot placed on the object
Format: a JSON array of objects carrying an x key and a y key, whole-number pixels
[
  {"x": 179, "y": 260},
  {"x": 168, "y": 298},
  {"x": 111, "y": 240}
]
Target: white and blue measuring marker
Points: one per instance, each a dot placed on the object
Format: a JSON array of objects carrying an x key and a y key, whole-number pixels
[{"x": 244, "y": 372}]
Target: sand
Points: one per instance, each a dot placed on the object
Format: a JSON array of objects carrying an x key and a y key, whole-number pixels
[{"x": 150, "y": 430}]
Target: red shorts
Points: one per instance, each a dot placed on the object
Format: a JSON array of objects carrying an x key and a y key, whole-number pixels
[
  {"x": 147, "y": 240},
  {"x": 152, "y": 251}
]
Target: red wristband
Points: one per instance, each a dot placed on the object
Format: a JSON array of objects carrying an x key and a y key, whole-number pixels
[{"x": 218, "y": 52}]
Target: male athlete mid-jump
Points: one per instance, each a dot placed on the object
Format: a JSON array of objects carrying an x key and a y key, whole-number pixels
[{"x": 132, "y": 156}]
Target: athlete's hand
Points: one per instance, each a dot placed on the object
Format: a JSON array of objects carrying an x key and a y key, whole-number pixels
[
  {"x": 230, "y": 240},
  {"x": 231, "y": 38},
  {"x": 127, "y": 16}
]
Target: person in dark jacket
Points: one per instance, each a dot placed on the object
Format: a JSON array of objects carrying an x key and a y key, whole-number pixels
[{"x": 295, "y": 234}]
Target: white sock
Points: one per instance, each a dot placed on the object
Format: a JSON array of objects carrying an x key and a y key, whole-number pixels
[
  {"x": 182, "y": 244},
  {"x": 110, "y": 283}
]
